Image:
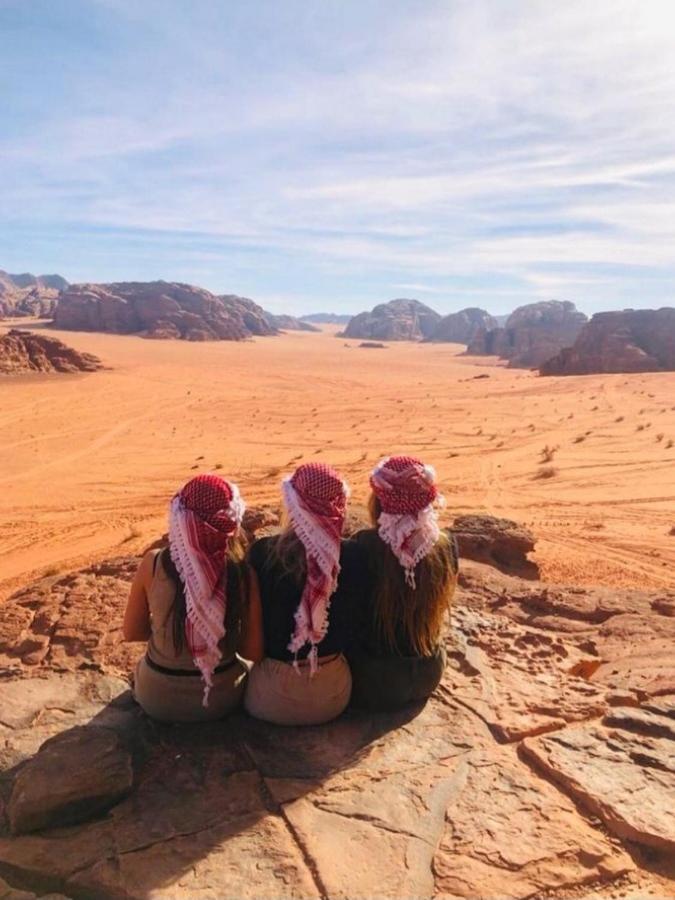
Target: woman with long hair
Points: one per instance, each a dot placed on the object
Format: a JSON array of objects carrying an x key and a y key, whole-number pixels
[
  {"x": 398, "y": 655},
  {"x": 195, "y": 606},
  {"x": 309, "y": 583}
]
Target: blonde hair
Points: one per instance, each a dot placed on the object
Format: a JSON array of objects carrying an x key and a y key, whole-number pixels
[
  {"x": 287, "y": 552},
  {"x": 417, "y": 613}
]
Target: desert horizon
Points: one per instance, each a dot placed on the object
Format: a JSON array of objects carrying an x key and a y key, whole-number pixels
[{"x": 586, "y": 462}]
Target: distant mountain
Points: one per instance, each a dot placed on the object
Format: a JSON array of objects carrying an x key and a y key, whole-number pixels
[
  {"x": 532, "y": 335},
  {"x": 326, "y": 318},
  {"x": 160, "y": 309},
  {"x": 462, "y": 327},
  {"x": 397, "y": 320},
  {"x": 632, "y": 340},
  {"x": 288, "y": 323},
  {"x": 29, "y": 295}
]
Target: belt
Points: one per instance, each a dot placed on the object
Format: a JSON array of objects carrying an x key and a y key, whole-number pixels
[{"x": 188, "y": 672}]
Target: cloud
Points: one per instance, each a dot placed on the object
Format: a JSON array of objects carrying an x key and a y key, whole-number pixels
[{"x": 342, "y": 151}]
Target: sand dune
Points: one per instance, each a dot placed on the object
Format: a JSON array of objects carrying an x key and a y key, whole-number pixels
[{"x": 87, "y": 463}]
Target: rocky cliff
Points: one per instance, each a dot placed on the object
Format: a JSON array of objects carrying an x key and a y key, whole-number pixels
[
  {"x": 635, "y": 340},
  {"x": 289, "y": 323},
  {"x": 398, "y": 320},
  {"x": 25, "y": 351},
  {"x": 159, "y": 309},
  {"x": 533, "y": 334},
  {"x": 463, "y": 326}
]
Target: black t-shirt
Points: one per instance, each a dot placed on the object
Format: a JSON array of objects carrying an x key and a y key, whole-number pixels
[
  {"x": 280, "y": 595},
  {"x": 367, "y": 638}
]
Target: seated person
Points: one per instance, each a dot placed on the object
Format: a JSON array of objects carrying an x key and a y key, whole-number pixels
[
  {"x": 194, "y": 605},
  {"x": 398, "y": 655},
  {"x": 307, "y": 569}
]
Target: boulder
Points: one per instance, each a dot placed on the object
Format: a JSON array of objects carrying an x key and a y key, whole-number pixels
[
  {"x": 398, "y": 320},
  {"x": 159, "y": 309},
  {"x": 498, "y": 542},
  {"x": 27, "y": 351},
  {"x": 463, "y": 326},
  {"x": 635, "y": 340},
  {"x": 533, "y": 334}
]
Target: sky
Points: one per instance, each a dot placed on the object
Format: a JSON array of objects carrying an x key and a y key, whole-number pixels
[{"x": 333, "y": 154}]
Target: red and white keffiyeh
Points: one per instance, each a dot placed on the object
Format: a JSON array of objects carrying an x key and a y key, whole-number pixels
[
  {"x": 408, "y": 523},
  {"x": 316, "y": 500},
  {"x": 203, "y": 516}
]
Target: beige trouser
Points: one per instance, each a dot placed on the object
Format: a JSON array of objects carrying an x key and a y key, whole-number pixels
[
  {"x": 279, "y": 693},
  {"x": 178, "y": 698}
]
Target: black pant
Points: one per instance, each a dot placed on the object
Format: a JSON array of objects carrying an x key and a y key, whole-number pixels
[{"x": 386, "y": 683}]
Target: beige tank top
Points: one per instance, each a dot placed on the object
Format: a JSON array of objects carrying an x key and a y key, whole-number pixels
[{"x": 160, "y": 647}]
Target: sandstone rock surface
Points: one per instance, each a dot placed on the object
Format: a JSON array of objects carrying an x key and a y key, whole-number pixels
[
  {"x": 533, "y": 334},
  {"x": 397, "y": 320},
  {"x": 159, "y": 309},
  {"x": 529, "y": 773},
  {"x": 634, "y": 340},
  {"x": 463, "y": 326},
  {"x": 27, "y": 351},
  {"x": 497, "y": 542}
]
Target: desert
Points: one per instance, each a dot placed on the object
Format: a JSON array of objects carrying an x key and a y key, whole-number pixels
[{"x": 560, "y": 491}]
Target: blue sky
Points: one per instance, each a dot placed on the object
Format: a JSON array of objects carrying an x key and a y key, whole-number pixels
[{"x": 332, "y": 154}]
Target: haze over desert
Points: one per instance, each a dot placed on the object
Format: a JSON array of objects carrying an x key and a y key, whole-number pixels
[{"x": 88, "y": 462}]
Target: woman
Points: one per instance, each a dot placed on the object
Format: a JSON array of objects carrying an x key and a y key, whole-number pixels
[
  {"x": 302, "y": 573},
  {"x": 398, "y": 656},
  {"x": 192, "y": 604}
]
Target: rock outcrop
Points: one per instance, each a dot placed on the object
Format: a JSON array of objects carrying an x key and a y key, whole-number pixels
[
  {"x": 498, "y": 542},
  {"x": 25, "y": 351},
  {"x": 159, "y": 309},
  {"x": 463, "y": 326},
  {"x": 327, "y": 318},
  {"x": 634, "y": 340},
  {"x": 542, "y": 766},
  {"x": 398, "y": 320},
  {"x": 532, "y": 334}
]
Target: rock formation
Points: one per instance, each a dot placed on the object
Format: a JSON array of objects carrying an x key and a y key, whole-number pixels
[
  {"x": 398, "y": 320},
  {"x": 497, "y": 542},
  {"x": 532, "y": 334},
  {"x": 26, "y": 351},
  {"x": 463, "y": 326},
  {"x": 29, "y": 295},
  {"x": 289, "y": 323},
  {"x": 634, "y": 340},
  {"x": 159, "y": 309},
  {"x": 542, "y": 766}
]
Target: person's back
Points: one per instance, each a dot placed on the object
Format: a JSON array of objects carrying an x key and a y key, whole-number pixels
[
  {"x": 398, "y": 654},
  {"x": 308, "y": 581}
]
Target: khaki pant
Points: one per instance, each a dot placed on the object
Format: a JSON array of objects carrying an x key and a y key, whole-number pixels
[
  {"x": 276, "y": 692},
  {"x": 178, "y": 698}
]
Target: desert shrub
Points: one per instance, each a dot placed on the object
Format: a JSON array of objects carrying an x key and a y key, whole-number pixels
[
  {"x": 579, "y": 438},
  {"x": 547, "y": 453},
  {"x": 546, "y": 472}
]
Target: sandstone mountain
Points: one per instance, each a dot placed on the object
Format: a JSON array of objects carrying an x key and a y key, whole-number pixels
[
  {"x": 463, "y": 326},
  {"x": 635, "y": 340},
  {"x": 160, "y": 309},
  {"x": 29, "y": 295},
  {"x": 397, "y": 320},
  {"x": 533, "y": 334},
  {"x": 289, "y": 323},
  {"x": 25, "y": 351}
]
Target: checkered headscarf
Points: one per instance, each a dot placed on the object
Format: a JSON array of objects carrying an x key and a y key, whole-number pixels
[
  {"x": 406, "y": 489},
  {"x": 203, "y": 517},
  {"x": 316, "y": 500}
]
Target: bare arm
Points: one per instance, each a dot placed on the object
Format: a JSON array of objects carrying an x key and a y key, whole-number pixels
[
  {"x": 136, "y": 625},
  {"x": 252, "y": 642}
]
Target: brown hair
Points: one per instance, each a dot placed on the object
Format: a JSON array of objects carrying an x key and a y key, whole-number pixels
[
  {"x": 237, "y": 587},
  {"x": 287, "y": 553},
  {"x": 415, "y": 613}
]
